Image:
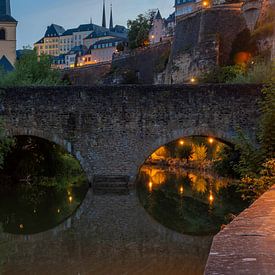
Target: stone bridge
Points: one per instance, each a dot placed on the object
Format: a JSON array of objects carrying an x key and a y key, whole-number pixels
[{"x": 111, "y": 130}]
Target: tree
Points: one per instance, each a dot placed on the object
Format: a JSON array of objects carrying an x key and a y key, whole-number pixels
[
  {"x": 199, "y": 153},
  {"x": 139, "y": 30},
  {"x": 185, "y": 152},
  {"x": 31, "y": 70}
]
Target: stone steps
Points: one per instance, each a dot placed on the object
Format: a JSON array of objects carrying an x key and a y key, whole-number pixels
[{"x": 111, "y": 185}]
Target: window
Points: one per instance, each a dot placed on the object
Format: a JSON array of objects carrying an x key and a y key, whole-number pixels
[{"x": 2, "y": 34}]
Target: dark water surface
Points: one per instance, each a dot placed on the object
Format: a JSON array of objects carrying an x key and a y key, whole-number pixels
[
  {"x": 27, "y": 209},
  {"x": 113, "y": 234},
  {"x": 189, "y": 202}
]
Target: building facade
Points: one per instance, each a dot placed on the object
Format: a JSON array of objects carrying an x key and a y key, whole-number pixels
[
  {"x": 7, "y": 36},
  {"x": 63, "y": 44}
]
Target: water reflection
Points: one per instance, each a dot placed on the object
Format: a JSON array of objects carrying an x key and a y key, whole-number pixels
[
  {"x": 31, "y": 209},
  {"x": 190, "y": 202}
]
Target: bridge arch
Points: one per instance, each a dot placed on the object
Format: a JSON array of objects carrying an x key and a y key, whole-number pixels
[
  {"x": 67, "y": 145},
  {"x": 227, "y": 138}
]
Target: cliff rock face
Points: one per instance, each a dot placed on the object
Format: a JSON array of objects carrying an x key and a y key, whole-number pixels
[
  {"x": 259, "y": 16},
  {"x": 202, "y": 41}
]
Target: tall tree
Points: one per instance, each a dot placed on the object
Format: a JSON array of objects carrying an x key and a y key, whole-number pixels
[{"x": 139, "y": 29}]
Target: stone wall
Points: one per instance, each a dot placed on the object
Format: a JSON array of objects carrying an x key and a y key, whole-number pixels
[
  {"x": 203, "y": 40},
  {"x": 113, "y": 129},
  {"x": 90, "y": 75},
  {"x": 142, "y": 66}
]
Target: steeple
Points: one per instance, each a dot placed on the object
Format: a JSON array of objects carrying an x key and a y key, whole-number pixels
[
  {"x": 111, "y": 26},
  {"x": 104, "y": 15},
  {"x": 5, "y": 8}
]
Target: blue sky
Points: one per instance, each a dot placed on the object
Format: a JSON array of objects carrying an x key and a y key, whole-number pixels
[{"x": 35, "y": 15}]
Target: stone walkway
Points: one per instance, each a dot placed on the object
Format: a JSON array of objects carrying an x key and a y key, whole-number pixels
[{"x": 247, "y": 245}]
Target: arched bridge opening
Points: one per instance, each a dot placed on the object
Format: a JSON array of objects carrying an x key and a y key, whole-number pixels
[{"x": 42, "y": 185}]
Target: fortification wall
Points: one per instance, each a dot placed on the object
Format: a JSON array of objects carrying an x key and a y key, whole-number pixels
[{"x": 203, "y": 40}]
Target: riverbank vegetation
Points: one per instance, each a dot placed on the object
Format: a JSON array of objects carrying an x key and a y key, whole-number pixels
[{"x": 36, "y": 162}]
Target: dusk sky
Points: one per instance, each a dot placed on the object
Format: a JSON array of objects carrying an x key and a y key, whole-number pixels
[{"x": 35, "y": 15}]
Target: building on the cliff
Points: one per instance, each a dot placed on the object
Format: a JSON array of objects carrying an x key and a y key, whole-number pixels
[
  {"x": 162, "y": 28},
  {"x": 7, "y": 36},
  {"x": 184, "y": 7},
  {"x": 157, "y": 31},
  {"x": 101, "y": 51},
  {"x": 62, "y": 44}
]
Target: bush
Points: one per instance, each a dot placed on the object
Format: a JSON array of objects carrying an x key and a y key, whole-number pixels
[{"x": 223, "y": 74}]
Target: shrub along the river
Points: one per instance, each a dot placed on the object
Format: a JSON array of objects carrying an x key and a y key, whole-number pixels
[
  {"x": 255, "y": 165},
  {"x": 38, "y": 162}
]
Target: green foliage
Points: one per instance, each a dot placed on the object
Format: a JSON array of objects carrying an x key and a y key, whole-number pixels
[
  {"x": 227, "y": 158},
  {"x": 253, "y": 187},
  {"x": 251, "y": 157},
  {"x": 199, "y": 153},
  {"x": 223, "y": 74},
  {"x": 258, "y": 72},
  {"x": 29, "y": 70},
  {"x": 267, "y": 126},
  {"x": 39, "y": 162},
  {"x": 139, "y": 30}
]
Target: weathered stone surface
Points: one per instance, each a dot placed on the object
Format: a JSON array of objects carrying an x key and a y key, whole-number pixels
[
  {"x": 247, "y": 245},
  {"x": 202, "y": 41},
  {"x": 145, "y": 63},
  {"x": 90, "y": 75},
  {"x": 113, "y": 129}
]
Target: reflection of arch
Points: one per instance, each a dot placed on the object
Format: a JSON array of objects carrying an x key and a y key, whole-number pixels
[
  {"x": 224, "y": 137},
  {"x": 2, "y": 34}
]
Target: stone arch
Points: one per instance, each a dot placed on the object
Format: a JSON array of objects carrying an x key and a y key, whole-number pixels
[
  {"x": 225, "y": 137},
  {"x": 65, "y": 144},
  {"x": 2, "y": 34}
]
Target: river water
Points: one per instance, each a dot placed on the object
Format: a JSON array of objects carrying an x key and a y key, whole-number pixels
[{"x": 165, "y": 226}]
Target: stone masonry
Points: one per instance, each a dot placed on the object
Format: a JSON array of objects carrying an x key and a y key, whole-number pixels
[{"x": 111, "y": 130}]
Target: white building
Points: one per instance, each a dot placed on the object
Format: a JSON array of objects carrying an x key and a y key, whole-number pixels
[
  {"x": 157, "y": 31},
  {"x": 101, "y": 51}
]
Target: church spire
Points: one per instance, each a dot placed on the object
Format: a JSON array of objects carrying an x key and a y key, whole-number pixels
[
  {"x": 5, "y": 8},
  {"x": 111, "y": 26},
  {"x": 104, "y": 15}
]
